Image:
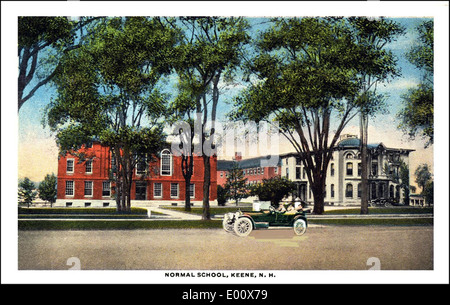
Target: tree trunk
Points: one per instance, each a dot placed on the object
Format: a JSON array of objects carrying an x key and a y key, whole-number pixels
[
  {"x": 187, "y": 201},
  {"x": 206, "y": 183},
  {"x": 364, "y": 165},
  {"x": 319, "y": 200}
]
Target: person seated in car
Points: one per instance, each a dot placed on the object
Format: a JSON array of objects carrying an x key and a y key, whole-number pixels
[{"x": 281, "y": 208}]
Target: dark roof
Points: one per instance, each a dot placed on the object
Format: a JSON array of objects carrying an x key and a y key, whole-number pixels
[
  {"x": 223, "y": 165},
  {"x": 355, "y": 142},
  {"x": 352, "y": 142}
]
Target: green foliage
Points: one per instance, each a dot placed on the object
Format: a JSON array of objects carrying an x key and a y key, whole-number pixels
[
  {"x": 47, "y": 188},
  {"x": 312, "y": 71},
  {"x": 422, "y": 54},
  {"x": 108, "y": 90},
  {"x": 43, "y": 30},
  {"x": 273, "y": 189},
  {"x": 235, "y": 186},
  {"x": 27, "y": 191},
  {"x": 42, "y": 42},
  {"x": 221, "y": 195},
  {"x": 423, "y": 175},
  {"x": 416, "y": 116},
  {"x": 428, "y": 192},
  {"x": 404, "y": 181}
]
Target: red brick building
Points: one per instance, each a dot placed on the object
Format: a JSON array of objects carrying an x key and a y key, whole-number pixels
[
  {"x": 85, "y": 183},
  {"x": 253, "y": 169}
]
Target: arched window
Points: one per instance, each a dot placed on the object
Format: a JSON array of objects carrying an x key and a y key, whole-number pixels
[
  {"x": 349, "y": 156},
  {"x": 349, "y": 169},
  {"x": 332, "y": 169},
  {"x": 349, "y": 190},
  {"x": 166, "y": 163}
]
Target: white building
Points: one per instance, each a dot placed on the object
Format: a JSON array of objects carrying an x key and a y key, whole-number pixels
[{"x": 343, "y": 182}]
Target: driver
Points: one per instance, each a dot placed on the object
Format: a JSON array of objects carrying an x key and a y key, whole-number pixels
[{"x": 281, "y": 208}]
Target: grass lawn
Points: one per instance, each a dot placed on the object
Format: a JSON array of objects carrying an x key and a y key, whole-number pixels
[
  {"x": 117, "y": 225},
  {"x": 107, "y": 218}
]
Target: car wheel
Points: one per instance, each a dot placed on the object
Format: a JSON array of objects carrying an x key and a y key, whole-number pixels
[
  {"x": 243, "y": 227},
  {"x": 300, "y": 226},
  {"x": 228, "y": 226}
]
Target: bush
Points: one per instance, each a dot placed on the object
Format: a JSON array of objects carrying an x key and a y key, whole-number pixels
[
  {"x": 273, "y": 189},
  {"x": 221, "y": 195}
]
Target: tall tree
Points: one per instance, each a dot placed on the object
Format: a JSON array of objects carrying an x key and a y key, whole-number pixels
[
  {"x": 372, "y": 36},
  {"x": 423, "y": 175},
  {"x": 416, "y": 116},
  {"x": 211, "y": 48},
  {"x": 235, "y": 185},
  {"x": 47, "y": 189},
  {"x": 108, "y": 90},
  {"x": 27, "y": 191},
  {"x": 42, "y": 41},
  {"x": 307, "y": 77}
]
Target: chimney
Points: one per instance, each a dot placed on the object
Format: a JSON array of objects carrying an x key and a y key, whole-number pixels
[{"x": 237, "y": 156}]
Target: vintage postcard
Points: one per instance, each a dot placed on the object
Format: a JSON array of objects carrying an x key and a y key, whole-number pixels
[{"x": 225, "y": 143}]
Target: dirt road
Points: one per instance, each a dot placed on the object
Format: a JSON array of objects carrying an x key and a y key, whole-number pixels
[{"x": 321, "y": 248}]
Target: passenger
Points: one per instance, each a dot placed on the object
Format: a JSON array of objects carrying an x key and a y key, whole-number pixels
[{"x": 291, "y": 209}]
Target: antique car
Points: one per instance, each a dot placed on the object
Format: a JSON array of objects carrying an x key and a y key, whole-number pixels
[{"x": 242, "y": 223}]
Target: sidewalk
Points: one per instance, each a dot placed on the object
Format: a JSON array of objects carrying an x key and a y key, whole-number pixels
[{"x": 172, "y": 214}]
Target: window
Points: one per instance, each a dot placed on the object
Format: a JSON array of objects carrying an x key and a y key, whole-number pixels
[
  {"x": 298, "y": 161},
  {"x": 332, "y": 191},
  {"x": 359, "y": 190},
  {"x": 166, "y": 163},
  {"x": 106, "y": 192},
  {"x": 141, "y": 190},
  {"x": 374, "y": 190},
  {"x": 157, "y": 190},
  {"x": 332, "y": 169},
  {"x": 87, "y": 188},
  {"x": 141, "y": 167},
  {"x": 105, "y": 204},
  {"x": 69, "y": 188},
  {"x": 349, "y": 169},
  {"x": 69, "y": 168},
  {"x": 287, "y": 173},
  {"x": 374, "y": 169},
  {"x": 174, "y": 190},
  {"x": 88, "y": 166},
  {"x": 87, "y": 204},
  {"x": 192, "y": 190},
  {"x": 349, "y": 156},
  {"x": 68, "y": 204},
  {"x": 304, "y": 173},
  {"x": 276, "y": 170},
  {"x": 349, "y": 191},
  {"x": 221, "y": 174},
  {"x": 359, "y": 169},
  {"x": 297, "y": 173}
]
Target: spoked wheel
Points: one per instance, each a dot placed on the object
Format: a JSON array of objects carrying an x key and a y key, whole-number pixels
[
  {"x": 243, "y": 227},
  {"x": 227, "y": 226},
  {"x": 300, "y": 226}
]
